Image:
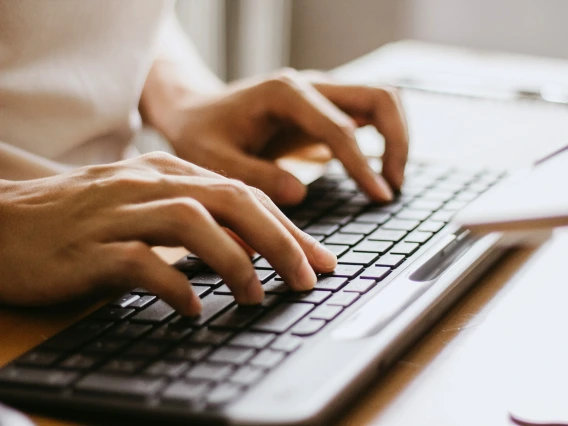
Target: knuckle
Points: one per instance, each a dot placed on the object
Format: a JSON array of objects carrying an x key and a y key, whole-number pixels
[
  {"x": 158, "y": 158},
  {"x": 235, "y": 190},
  {"x": 285, "y": 79},
  {"x": 260, "y": 196},
  {"x": 187, "y": 210},
  {"x": 387, "y": 95}
]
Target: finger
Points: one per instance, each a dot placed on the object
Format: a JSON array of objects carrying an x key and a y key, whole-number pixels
[
  {"x": 291, "y": 98},
  {"x": 381, "y": 107},
  {"x": 321, "y": 259},
  {"x": 137, "y": 266},
  {"x": 232, "y": 203},
  {"x": 186, "y": 222},
  {"x": 283, "y": 187}
]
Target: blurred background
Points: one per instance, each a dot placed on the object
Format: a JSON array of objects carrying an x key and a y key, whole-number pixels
[{"x": 239, "y": 38}]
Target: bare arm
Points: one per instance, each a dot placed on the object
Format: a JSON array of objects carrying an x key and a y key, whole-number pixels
[{"x": 17, "y": 164}]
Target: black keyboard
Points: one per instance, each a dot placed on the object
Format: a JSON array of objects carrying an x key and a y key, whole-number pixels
[{"x": 138, "y": 348}]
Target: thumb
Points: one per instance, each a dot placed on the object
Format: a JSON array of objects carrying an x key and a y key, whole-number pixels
[{"x": 282, "y": 187}]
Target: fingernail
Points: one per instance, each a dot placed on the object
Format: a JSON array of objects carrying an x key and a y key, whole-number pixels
[
  {"x": 254, "y": 292},
  {"x": 305, "y": 277},
  {"x": 325, "y": 258},
  {"x": 385, "y": 191},
  {"x": 290, "y": 190}
]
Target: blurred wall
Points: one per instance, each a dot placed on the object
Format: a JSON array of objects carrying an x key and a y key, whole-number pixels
[{"x": 326, "y": 33}]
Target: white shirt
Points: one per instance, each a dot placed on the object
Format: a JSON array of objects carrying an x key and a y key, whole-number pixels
[{"x": 71, "y": 75}]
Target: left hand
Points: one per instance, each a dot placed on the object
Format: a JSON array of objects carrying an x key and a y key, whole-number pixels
[{"x": 227, "y": 132}]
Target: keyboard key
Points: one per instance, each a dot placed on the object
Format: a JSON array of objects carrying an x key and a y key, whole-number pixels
[
  {"x": 262, "y": 263},
  {"x": 171, "y": 369},
  {"x": 201, "y": 290},
  {"x": 80, "y": 362},
  {"x": 276, "y": 286},
  {"x": 455, "y": 205},
  {"x": 191, "y": 265},
  {"x": 223, "y": 394},
  {"x": 344, "y": 239},
  {"x": 426, "y": 204},
  {"x": 337, "y": 219},
  {"x": 142, "y": 302},
  {"x": 413, "y": 214},
  {"x": 111, "y": 313},
  {"x": 264, "y": 275},
  {"x": 207, "y": 336},
  {"x": 418, "y": 237},
  {"x": 141, "y": 387},
  {"x": 390, "y": 260},
  {"x": 282, "y": 317},
  {"x": 431, "y": 226},
  {"x": 287, "y": 343},
  {"x": 405, "y": 248},
  {"x": 326, "y": 313},
  {"x": 207, "y": 279},
  {"x": 315, "y": 296},
  {"x": 376, "y": 272},
  {"x": 124, "y": 301},
  {"x": 345, "y": 270},
  {"x": 39, "y": 358},
  {"x": 336, "y": 249},
  {"x": 252, "y": 339},
  {"x": 443, "y": 216},
  {"x": 370, "y": 246},
  {"x": 436, "y": 195},
  {"x": 128, "y": 330},
  {"x": 373, "y": 217},
  {"x": 224, "y": 289},
  {"x": 343, "y": 299},
  {"x": 213, "y": 304},
  {"x": 267, "y": 359},
  {"x": 77, "y": 335},
  {"x": 387, "y": 235},
  {"x": 358, "y": 228},
  {"x": 270, "y": 300},
  {"x": 106, "y": 346},
  {"x": 140, "y": 290},
  {"x": 329, "y": 283},
  {"x": 183, "y": 392},
  {"x": 210, "y": 371},
  {"x": 360, "y": 285},
  {"x": 189, "y": 352},
  {"x": 358, "y": 258},
  {"x": 467, "y": 196},
  {"x": 401, "y": 224},
  {"x": 247, "y": 375},
  {"x": 307, "y": 327},
  {"x": 321, "y": 229},
  {"x": 238, "y": 317},
  {"x": 145, "y": 350},
  {"x": 155, "y": 313},
  {"x": 123, "y": 366},
  {"x": 36, "y": 377},
  {"x": 169, "y": 334},
  {"x": 232, "y": 355}
]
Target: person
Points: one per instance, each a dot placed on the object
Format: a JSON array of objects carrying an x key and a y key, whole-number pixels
[{"x": 80, "y": 210}]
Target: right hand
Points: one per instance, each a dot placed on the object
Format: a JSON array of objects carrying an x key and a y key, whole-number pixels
[{"x": 93, "y": 228}]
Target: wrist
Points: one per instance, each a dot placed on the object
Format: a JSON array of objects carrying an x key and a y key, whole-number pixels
[{"x": 167, "y": 96}]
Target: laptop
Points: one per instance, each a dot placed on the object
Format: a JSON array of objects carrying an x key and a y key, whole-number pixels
[{"x": 298, "y": 358}]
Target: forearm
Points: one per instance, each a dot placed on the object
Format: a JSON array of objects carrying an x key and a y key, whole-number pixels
[
  {"x": 17, "y": 164},
  {"x": 178, "y": 72}
]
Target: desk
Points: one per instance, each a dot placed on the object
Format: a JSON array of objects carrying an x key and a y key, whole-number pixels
[{"x": 451, "y": 376}]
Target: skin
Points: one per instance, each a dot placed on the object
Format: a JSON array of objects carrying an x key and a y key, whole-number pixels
[
  {"x": 233, "y": 130},
  {"x": 98, "y": 223}
]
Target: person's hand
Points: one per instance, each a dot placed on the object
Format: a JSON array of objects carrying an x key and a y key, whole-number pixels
[
  {"x": 92, "y": 229},
  {"x": 230, "y": 132}
]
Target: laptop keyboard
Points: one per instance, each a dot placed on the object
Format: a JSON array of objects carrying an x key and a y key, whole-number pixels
[{"x": 139, "y": 347}]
